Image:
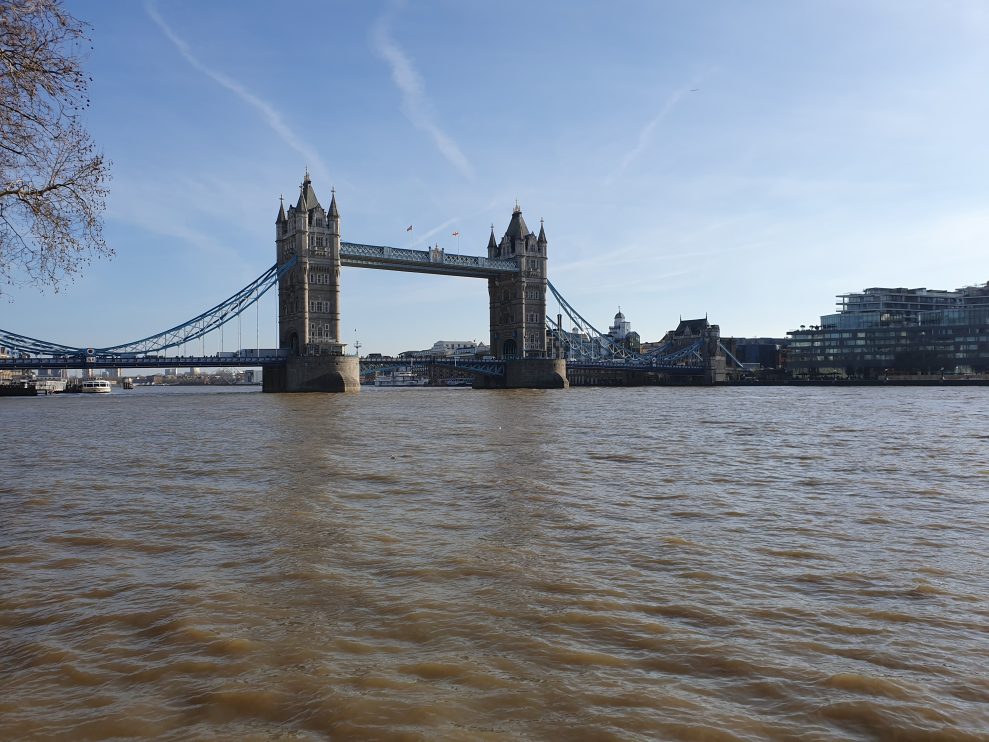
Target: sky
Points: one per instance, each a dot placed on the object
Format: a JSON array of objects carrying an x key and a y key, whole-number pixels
[{"x": 747, "y": 161}]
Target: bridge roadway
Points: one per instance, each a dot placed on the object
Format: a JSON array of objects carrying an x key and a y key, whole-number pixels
[
  {"x": 248, "y": 359},
  {"x": 142, "y": 362}
]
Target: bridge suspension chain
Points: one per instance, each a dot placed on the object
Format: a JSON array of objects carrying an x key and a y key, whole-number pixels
[
  {"x": 598, "y": 345},
  {"x": 588, "y": 344},
  {"x": 190, "y": 330}
]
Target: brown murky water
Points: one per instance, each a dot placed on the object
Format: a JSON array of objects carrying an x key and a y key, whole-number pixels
[{"x": 594, "y": 564}]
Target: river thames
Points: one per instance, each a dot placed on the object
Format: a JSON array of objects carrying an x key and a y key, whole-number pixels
[{"x": 437, "y": 564}]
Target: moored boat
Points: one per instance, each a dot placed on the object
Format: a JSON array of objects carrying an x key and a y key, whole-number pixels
[
  {"x": 96, "y": 386},
  {"x": 399, "y": 378}
]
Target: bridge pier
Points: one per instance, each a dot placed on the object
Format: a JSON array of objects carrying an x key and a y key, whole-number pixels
[
  {"x": 314, "y": 374},
  {"x": 529, "y": 373}
]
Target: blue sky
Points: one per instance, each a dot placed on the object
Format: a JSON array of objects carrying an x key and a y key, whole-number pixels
[{"x": 747, "y": 160}]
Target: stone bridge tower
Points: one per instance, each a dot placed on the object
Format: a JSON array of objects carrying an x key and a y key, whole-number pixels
[
  {"x": 309, "y": 293},
  {"x": 518, "y": 301},
  {"x": 309, "y": 300}
]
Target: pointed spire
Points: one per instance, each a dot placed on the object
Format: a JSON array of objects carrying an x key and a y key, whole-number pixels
[
  {"x": 333, "y": 213},
  {"x": 492, "y": 245},
  {"x": 542, "y": 233},
  {"x": 517, "y": 227},
  {"x": 281, "y": 210},
  {"x": 307, "y": 196}
]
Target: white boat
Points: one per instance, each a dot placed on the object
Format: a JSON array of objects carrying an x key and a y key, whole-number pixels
[
  {"x": 96, "y": 386},
  {"x": 399, "y": 378}
]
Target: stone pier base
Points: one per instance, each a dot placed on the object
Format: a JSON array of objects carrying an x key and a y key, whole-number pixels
[
  {"x": 529, "y": 373},
  {"x": 314, "y": 374}
]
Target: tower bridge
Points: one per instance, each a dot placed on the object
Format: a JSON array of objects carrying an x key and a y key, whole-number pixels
[
  {"x": 528, "y": 348},
  {"x": 310, "y": 253}
]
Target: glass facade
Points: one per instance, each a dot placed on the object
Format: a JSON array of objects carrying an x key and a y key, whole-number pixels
[{"x": 882, "y": 331}]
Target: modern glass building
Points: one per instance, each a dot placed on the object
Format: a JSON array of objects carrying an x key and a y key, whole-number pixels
[{"x": 903, "y": 331}]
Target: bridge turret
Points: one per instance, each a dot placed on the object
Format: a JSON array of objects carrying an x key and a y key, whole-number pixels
[
  {"x": 492, "y": 245},
  {"x": 333, "y": 214}
]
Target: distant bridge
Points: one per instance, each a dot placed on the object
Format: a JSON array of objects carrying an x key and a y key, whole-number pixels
[
  {"x": 586, "y": 349},
  {"x": 310, "y": 253}
]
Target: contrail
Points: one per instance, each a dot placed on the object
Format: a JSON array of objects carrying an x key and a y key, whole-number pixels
[
  {"x": 645, "y": 136},
  {"x": 414, "y": 103},
  {"x": 270, "y": 115}
]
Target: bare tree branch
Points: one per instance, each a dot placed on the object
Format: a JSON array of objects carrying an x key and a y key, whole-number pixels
[{"x": 52, "y": 178}]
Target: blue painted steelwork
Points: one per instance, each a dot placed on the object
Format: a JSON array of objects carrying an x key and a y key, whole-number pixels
[
  {"x": 478, "y": 368},
  {"x": 588, "y": 347},
  {"x": 245, "y": 360},
  {"x": 434, "y": 261},
  {"x": 193, "y": 329},
  {"x": 686, "y": 359},
  {"x": 598, "y": 344}
]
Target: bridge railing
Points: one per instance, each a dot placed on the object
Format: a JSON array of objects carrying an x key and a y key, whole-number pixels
[{"x": 401, "y": 255}]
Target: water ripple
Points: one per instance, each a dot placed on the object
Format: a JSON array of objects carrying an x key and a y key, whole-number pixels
[{"x": 627, "y": 564}]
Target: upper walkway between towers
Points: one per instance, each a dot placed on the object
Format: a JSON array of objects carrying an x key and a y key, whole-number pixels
[{"x": 434, "y": 260}]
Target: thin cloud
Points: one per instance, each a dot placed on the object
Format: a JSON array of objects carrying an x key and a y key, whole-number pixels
[
  {"x": 414, "y": 102},
  {"x": 272, "y": 117},
  {"x": 646, "y": 135}
]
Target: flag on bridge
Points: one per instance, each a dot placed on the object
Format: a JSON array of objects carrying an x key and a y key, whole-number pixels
[{"x": 408, "y": 228}]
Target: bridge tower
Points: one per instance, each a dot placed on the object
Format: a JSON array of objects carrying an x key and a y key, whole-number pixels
[
  {"x": 518, "y": 310},
  {"x": 518, "y": 301},
  {"x": 309, "y": 299},
  {"x": 309, "y": 293}
]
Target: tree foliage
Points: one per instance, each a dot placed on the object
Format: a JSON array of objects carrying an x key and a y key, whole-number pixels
[{"x": 52, "y": 178}]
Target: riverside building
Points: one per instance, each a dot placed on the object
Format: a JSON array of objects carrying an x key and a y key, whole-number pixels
[{"x": 895, "y": 330}]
